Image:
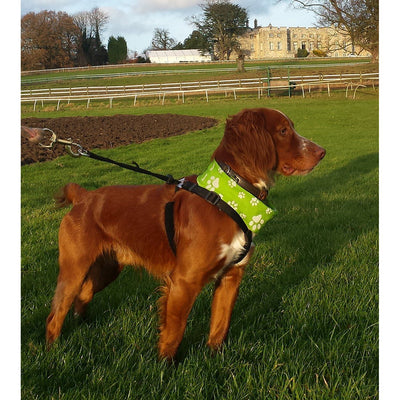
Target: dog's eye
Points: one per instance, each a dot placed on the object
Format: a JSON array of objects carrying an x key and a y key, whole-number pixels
[{"x": 283, "y": 131}]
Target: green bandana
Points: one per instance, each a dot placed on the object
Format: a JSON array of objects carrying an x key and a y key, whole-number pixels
[{"x": 253, "y": 211}]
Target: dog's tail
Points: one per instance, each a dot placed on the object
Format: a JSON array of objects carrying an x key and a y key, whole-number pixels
[{"x": 70, "y": 193}]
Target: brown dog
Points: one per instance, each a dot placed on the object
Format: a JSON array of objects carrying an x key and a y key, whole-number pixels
[{"x": 115, "y": 226}]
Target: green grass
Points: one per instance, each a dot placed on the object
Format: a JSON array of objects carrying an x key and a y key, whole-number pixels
[{"x": 305, "y": 325}]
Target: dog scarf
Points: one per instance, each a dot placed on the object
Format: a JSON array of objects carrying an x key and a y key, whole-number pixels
[{"x": 254, "y": 212}]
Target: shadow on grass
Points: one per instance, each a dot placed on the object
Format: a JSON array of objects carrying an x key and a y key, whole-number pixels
[{"x": 336, "y": 210}]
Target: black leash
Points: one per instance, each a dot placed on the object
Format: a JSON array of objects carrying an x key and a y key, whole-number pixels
[{"x": 135, "y": 167}]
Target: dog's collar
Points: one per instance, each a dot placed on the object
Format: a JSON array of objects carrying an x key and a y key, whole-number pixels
[
  {"x": 254, "y": 211},
  {"x": 256, "y": 192}
]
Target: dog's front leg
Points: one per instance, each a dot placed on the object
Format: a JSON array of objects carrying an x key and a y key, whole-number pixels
[
  {"x": 175, "y": 306},
  {"x": 225, "y": 295}
]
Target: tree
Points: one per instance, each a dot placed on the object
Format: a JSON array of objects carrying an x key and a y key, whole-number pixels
[
  {"x": 91, "y": 24},
  {"x": 117, "y": 50},
  {"x": 195, "y": 41},
  {"x": 48, "y": 40},
  {"x": 221, "y": 24},
  {"x": 162, "y": 40},
  {"x": 359, "y": 19}
]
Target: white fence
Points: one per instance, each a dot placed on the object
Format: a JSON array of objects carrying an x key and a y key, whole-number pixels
[{"x": 205, "y": 88}]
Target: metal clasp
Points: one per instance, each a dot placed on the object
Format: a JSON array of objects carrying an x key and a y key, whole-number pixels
[{"x": 68, "y": 144}]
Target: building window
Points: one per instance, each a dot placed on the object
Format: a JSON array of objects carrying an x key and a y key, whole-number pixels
[
  {"x": 319, "y": 45},
  {"x": 278, "y": 35},
  {"x": 311, "y": 46},
  {"x": 271, "y": 35},
  {"x": 271, "y": 45},
  {"x": 279, "y": 47},
  {"x": 311, "y": 35},
  {"x": 303, "y": 45},
  {"x": 295, "y": 35},
  {"x": 295, "y": 46}
]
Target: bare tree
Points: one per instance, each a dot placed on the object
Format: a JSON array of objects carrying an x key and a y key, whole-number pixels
[
  {"x": 162, "y": 40},
  {"x": 91, "y": 25},
  {"x": 358, "y": 19},
  {"x": 98, "y": 20}
]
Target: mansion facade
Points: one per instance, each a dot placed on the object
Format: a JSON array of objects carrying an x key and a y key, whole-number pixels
[{"x": 284, "y": 42}]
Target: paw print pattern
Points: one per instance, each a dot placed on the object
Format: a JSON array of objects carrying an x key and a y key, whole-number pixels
[
  {"x": 233, "y": 204},
  {"x": 254, "y": 202},
  {"x": 256, "y": 222},
  {"x": 232, "y": 183},
  {"x": 212, "y": 183},
  {"x": 252, "y": 210}
]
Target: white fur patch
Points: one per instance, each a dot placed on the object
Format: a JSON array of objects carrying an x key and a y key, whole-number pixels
[{"x": 230, "y": 251}]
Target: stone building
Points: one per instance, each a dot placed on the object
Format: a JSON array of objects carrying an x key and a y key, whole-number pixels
[{"x": 284, "y": 42}]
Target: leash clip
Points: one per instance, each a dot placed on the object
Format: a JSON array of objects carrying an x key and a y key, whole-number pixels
[{"x": 68, "y": 144}]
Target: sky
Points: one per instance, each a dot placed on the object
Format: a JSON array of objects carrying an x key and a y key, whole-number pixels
[{"x": 135, "y": 20}]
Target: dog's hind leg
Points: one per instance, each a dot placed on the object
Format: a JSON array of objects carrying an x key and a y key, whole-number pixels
[
  {"x": 70, "y": 279},
  {"x": 75, "y": 260},
  {"x": 102, "y": 272}
]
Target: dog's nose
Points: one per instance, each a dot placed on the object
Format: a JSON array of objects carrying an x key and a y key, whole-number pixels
[{"x": 320, "y": 153}]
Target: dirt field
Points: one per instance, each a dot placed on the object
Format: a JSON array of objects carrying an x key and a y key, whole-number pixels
[{"x": 108, "y": 132}]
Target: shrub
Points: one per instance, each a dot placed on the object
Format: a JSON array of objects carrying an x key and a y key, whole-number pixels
[
  {"x": 319, "y": 53},
  {"x": 302, "y": 53}
]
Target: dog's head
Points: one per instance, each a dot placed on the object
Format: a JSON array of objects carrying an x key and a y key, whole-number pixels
[{"x": 260, "y": 142}]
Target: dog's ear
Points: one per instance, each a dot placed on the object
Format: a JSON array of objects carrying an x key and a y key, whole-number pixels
[{"x": 248, "y": 141}]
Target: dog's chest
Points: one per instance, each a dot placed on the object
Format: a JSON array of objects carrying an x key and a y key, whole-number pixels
[{"x": 230, "y": 251}]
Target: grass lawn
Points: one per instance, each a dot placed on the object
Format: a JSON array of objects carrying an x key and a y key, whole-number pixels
[{"x": 305, "y": 325}]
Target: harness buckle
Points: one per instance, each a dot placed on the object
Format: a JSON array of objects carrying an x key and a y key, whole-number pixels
[{"x": 213, "y": 198}]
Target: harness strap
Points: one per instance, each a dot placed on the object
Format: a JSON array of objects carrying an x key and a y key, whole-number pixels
[
  {"x": 169, "y": 225},
  {"x": 216, "y": 200}
]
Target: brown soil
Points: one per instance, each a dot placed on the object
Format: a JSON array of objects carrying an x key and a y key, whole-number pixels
[{"x": 108, "y": 132}]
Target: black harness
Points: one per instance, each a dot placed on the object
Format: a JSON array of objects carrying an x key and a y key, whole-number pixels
[
  {"x": 216, "y": 200},
  {"x": 211, "y": 197}
]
